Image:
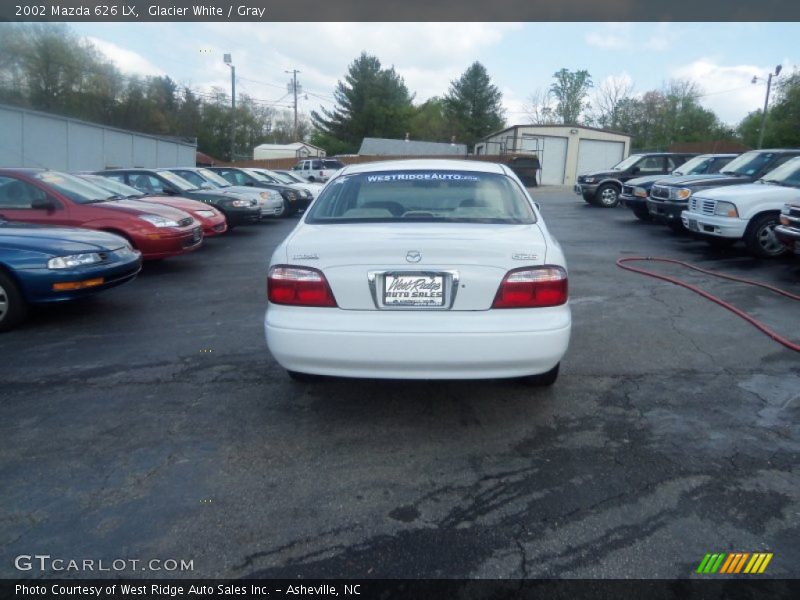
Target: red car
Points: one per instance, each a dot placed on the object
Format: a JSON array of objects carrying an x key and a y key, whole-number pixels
[
  {"x": 54, "y": 198},
  {"x": 212, "y": 220}
]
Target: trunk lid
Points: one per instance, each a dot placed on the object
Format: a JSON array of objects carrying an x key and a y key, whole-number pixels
[{"x": 478, "y": 255}]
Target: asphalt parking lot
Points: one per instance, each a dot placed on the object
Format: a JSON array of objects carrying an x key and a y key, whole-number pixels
[{"x": 150, "y": 422}]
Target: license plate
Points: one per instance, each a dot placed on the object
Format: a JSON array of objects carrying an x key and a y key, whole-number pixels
[
  {"x": 693, "y": 225},
  {"x": 413, "y": 290}
]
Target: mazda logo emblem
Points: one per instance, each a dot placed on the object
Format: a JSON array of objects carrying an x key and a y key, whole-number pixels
[{"x": 413, "y": 256}]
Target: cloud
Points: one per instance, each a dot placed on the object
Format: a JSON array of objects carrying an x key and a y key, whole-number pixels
[
  {"x": 727, "y": 89},
  {"x": 627, "y": 36},
  {"x": 427, "y": 55},
  {"x": 126, "y": 61}
]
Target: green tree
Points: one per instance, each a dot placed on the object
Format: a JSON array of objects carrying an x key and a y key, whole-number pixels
[
  {"x": 473, "y": 105},
  {"x": 783, "y": 117},
  {"x": 570, "y": 90},
  {"x": 430, "y": 122},
  {"x": 370, "y": 102}
]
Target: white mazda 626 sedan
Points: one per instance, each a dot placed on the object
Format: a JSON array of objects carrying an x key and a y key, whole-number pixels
[{"x": 420, "y": 269}]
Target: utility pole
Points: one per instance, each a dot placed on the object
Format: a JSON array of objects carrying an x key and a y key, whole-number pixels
[
  {"x": 294, "y": 89},
  {"x": 766, "y": 103},
  {"x": 229, "y": 62}
]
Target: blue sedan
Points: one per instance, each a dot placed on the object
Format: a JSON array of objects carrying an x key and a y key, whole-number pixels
[{"x": 49, "y": 264}]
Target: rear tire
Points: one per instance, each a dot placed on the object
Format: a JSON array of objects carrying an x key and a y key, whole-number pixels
[
  {"x": 607, "y": 196},
  {"x": 642, "y": 213},
  {"x": 544, "y": 379},
  {"x": 759, "y": 237},
  {"x": 13, "y": 308}
]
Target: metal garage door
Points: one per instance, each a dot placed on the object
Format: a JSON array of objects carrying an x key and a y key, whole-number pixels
[
  {"x": 552, "y": 153},
  {"x": 595, "y": 155}
]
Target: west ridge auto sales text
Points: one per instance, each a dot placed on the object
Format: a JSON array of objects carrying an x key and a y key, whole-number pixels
[{"x": 156, "y": 589}]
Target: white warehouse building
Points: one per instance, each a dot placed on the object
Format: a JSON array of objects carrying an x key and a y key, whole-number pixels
[
  {"x": 564, "y": 151},
  {"x": 293, "y": 150}
]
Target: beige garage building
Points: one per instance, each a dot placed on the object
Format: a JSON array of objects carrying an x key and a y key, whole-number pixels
[{"x": 564, "y": 151}]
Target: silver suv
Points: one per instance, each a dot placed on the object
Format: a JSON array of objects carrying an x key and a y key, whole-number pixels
[{"x": 317, "y": 169}]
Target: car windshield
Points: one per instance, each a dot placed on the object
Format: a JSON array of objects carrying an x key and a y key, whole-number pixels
[
  {"x": 422, "y": 195},
  {"x": 214, "y": 178},
  {"x": 112, "y": 185},
  {"x": 259, "y": 176},
  {"x": 627, "y": 163},
  {"x": 267, "y": 176},
  {"x": 76, "y": 189},
  {"x": 694, "y": 166},
  {"x": 178, "y": 182},
  {"x": 748, "y": 164},
  {"x": 286, "y": 178},
  {"x": 195, "y": 179},
  {"x": 787, "y": 174}
]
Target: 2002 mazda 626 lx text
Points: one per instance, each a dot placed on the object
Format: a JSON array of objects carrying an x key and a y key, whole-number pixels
[{"x": 420, "y": 269}]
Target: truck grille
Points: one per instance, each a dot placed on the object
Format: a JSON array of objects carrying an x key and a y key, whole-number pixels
[
  {"x": 659, "y": 191},
  {"x": 701, "y": 205}
]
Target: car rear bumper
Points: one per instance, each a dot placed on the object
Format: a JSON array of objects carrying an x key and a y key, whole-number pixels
[
  {"x": 716, "y": 226},
  {"x": 426, "y": 345}
]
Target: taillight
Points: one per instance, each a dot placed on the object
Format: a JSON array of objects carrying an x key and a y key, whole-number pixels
[
  {"x": 298, "y": 286},
  {"x": 532, "y": 287}
]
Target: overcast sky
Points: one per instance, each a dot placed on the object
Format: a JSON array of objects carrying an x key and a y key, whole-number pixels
[{"x": 521, "y": 58}]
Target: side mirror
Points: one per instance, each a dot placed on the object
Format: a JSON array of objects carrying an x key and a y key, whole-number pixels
[{"x": 43, "y": 204}]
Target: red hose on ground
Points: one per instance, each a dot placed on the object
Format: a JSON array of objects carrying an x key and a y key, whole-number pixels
[{"x": 757, "y": 324}]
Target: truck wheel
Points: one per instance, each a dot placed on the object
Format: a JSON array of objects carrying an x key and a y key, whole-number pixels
[
  {"x": 642, "y": 213},
  {"x": 607, "y": 196},
  {"x": 12, "y": 305},
  {"x": 759, "y": 237}
]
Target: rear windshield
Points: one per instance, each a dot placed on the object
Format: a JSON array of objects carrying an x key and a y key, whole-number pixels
[
  {"x": 430, "y": 196},
  {"x": 333, "y": 164}
]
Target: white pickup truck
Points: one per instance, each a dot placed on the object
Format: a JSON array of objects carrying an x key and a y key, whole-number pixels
[{"x": 748, "y": 212}]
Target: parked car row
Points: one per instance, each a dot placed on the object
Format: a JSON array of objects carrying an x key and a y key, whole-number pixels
[
  {"x": 63, "y": 236},
  {"x": 753, "y": 198}
]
